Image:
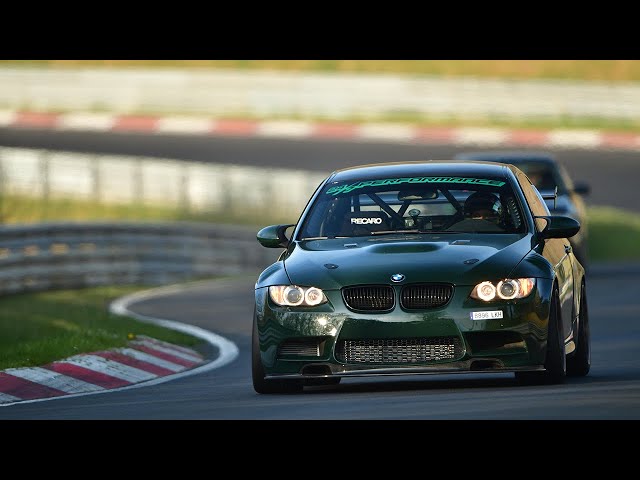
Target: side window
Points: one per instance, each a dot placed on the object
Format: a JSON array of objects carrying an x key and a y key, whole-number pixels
[
  {"x": 541, "y": 200},
  {"x": 535, "y": 201}
]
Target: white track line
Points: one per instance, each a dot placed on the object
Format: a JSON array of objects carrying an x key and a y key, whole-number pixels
[
  {"x": 481, "y": 136},
  {"x": 168, "y": 351},
  {"x": 169, "y": 345},
  {"x": 284, "y": 128},
  {"x": 5, "y": 397},
  {"x": 110, "y": 367},
  {"x": 7, "y": 117},
  {"x": 574, "y": 138},
  {"x": 190, "y": 125},
  {"x": 52, "y": 379},
  {"x": 386, "y": 131},
  {"x": 145, "y": 357},
  {"x": 87, "y": 121},
  {"x": 228, "y": 351}
]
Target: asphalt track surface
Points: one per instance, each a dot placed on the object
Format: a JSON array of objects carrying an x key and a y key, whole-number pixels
[
  {"x": 611, "y": 391},
  {"x": 613, "y": 175}
]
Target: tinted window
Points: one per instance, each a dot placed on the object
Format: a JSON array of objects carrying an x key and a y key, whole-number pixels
[
  {"x": 535, "y": 201},
  {"x": 415, "y": 204},
  {"x": 543, "y": 175}
]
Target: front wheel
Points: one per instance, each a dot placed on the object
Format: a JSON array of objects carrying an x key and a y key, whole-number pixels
[
  {"x": 556, "y": 360},
  {"x": 579, "y": 364},
  {"x": 260, "y": 384}
]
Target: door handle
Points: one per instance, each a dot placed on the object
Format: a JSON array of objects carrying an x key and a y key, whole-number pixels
[{"x": 567, "y": 248}]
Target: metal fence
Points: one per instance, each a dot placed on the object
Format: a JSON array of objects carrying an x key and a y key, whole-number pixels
[
  {"x": 190, "y": 186},
  {"x": 67, "y": 255}
]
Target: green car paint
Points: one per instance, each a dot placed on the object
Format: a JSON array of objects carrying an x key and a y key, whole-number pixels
[{"x": 516, "y": 342}]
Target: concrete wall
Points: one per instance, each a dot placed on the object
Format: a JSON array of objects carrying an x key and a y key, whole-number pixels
[{"x": 286, "y": 94}]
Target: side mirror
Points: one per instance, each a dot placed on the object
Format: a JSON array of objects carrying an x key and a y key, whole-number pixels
[
  {"x": 273, "y": 236},
  {"x": 560, "y": 227},
  {"x": 582, "y": 189}
]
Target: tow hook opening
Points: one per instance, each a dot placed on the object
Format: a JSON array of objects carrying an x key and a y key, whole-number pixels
[
  {"x": 477, "y": 365},
  {"x": 316, "y": 370}
]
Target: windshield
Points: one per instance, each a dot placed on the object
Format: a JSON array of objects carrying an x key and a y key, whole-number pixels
[{"x": 414, "y": 205}]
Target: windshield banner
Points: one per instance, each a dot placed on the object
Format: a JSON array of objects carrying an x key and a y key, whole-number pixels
[{"x": 338, "y": 189}]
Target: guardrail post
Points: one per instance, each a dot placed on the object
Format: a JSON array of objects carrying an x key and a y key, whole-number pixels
[
  {"x": 95, "y": 177},
  {"x": 138, "y": 183},
  {"x": 184, "y": 188},
  {"x": 3, "y": 191},
  {"x": 45, "y": 175}
]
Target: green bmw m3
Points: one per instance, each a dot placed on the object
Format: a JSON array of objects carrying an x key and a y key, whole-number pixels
[{"x": 421, "y": 268}]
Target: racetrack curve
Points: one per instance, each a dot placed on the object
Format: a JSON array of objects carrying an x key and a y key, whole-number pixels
[{"x": 611, "y": 391}]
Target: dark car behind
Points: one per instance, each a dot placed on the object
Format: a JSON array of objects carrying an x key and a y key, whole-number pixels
[{"x": 545, "y": 172}]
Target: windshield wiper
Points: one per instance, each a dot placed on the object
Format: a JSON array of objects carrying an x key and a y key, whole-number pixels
[
  {"x": 324, "y": 238},
  {"x": 388, "y": 232}
]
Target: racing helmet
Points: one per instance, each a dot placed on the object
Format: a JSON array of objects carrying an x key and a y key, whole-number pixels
[{"x": 483, "y": 204}]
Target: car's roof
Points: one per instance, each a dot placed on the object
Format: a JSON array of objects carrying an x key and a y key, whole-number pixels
[
  {"x": 514, "y": 157},
  {"x": 421, "y": 168}
]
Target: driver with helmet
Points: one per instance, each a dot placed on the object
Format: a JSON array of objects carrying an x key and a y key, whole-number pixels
[{"x": 483, "y": 206}]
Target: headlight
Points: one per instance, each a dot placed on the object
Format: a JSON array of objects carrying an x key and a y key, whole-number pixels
[
  {"x": 294, "y": 296},
  {"x": 506, "y": 289}
]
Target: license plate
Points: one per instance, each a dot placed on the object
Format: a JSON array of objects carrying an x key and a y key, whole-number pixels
[{"x": 487, "y": 315}]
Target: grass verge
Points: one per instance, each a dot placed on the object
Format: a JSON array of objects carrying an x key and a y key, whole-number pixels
[
  {"x": 23, "y": 209},
  {"x": 38, "y": 328},
  {"x": 601, "y": 70},
  {"x": 614, "y": 234}
]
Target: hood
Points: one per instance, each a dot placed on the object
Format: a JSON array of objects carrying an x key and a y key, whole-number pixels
[{"x": 461, "y": 260}]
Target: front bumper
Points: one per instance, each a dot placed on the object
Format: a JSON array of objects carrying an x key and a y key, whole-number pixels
[{"x": 516, "y": 342}]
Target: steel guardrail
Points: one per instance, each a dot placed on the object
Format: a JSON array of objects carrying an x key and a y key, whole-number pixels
[{"x": 74, "y": 255}]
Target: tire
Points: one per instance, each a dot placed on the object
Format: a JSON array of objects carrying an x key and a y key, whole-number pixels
[
  {"x": 579, "y": 364},
  {"x": 555, "y": 363},
  {"x": 556, "y": 360},
  {"x": 260, "y": 384}
]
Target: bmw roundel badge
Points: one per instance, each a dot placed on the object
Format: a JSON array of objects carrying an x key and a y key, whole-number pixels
[{"x": 397, "y": 277}]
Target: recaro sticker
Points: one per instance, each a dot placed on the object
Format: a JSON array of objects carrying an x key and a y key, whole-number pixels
[{"x": 338, "y": 189}]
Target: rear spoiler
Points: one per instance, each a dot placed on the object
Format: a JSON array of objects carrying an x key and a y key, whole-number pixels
[{"x": 552, "y": 196}]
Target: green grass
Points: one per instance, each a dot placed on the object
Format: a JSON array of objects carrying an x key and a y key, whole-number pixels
[
  {"x": 38, "y": 328},
  {"x": 22, "y": 209},
  {"x": 614, "y": 234},
  {"x": 600, "y": 70},
  {"x": 417, "y": 119}
]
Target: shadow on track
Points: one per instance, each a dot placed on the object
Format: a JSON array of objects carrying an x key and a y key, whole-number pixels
[{"x": 505, "y": 381}]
